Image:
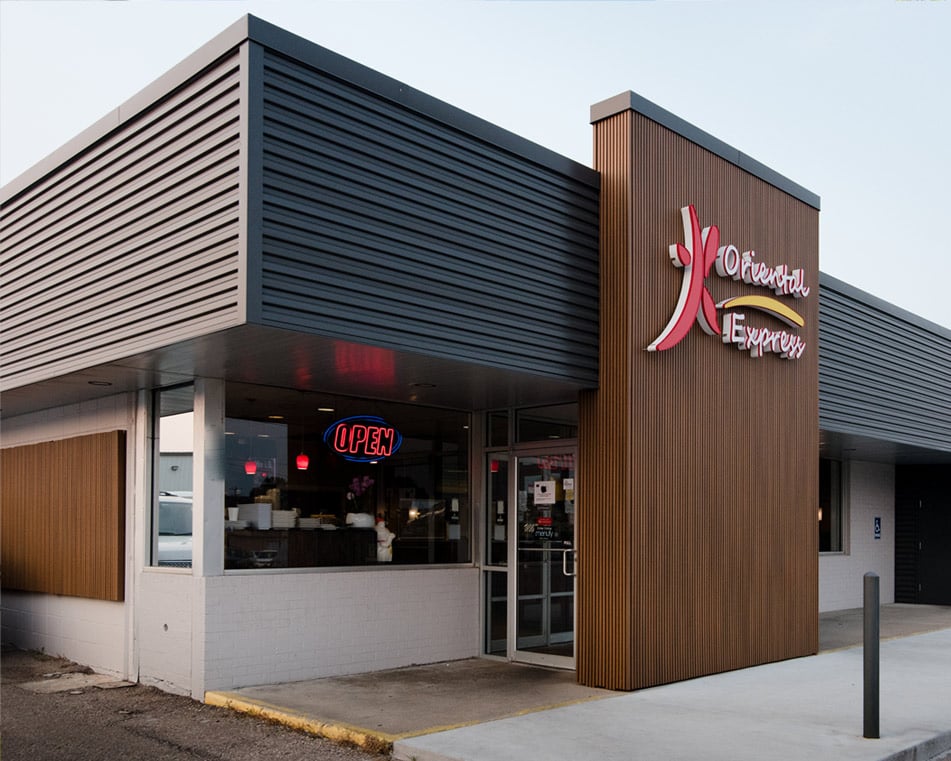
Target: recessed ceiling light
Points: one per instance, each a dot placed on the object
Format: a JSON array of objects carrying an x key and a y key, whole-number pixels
[
  {"x": 275, "y": 417},
  {"x": 325, "y": 409}
]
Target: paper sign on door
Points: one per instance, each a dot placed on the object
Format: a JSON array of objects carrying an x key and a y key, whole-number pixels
[{"x": 544, "y": 492}]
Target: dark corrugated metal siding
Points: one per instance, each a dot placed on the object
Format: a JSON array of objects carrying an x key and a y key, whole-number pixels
[
  {"x": 881, "y": 374},
  {"x": 387, "y": 226},
  {"x": 130, "y": 245}
]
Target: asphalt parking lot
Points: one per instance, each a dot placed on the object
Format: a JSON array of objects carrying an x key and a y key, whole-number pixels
[{"x": 53, "y": 710}]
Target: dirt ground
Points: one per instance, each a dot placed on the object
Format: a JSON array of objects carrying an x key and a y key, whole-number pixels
[{"x": 90, "y": 723}]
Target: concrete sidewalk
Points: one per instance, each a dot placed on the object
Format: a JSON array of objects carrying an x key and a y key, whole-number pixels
[
  {"x": 482, "y": 710},
  {"x": 808, "y": 708}
]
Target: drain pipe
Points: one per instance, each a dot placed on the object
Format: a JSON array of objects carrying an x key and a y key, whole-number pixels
[{"x": 870, "y": 652}]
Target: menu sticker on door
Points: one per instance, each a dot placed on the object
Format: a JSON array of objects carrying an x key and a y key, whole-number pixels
[
  {"x": 544, "y": 493},
  {"x": 569, "y": 484}
]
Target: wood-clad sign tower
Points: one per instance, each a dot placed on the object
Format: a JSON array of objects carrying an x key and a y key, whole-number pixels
[{"x": 699, "y": 462}]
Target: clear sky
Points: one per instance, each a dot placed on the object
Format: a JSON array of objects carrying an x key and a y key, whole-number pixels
[{"x": 849, "y": 99}]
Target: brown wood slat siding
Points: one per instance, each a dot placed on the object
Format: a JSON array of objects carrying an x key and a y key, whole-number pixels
[
  {"x": 698, "y": 537},
  {"x": 605, "y": 577},
  {"x": 63, "y": 518},
  {"x": 385, "y": 226},
  {"x": 131, "y": 245}
]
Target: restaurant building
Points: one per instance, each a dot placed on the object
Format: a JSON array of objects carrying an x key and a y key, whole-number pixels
[{"x": 306, "y": 373}]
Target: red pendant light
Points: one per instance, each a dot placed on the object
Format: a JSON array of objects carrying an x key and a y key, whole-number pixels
[
  {"x": 303, "y": 461},
  {"x": 250, "y": 467}
]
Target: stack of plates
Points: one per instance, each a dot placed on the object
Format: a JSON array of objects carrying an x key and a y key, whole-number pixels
[
  {"x": 309, "y": 522},
  {"x": 283, "y": 519},
  {"x": 234, "y": 525}
]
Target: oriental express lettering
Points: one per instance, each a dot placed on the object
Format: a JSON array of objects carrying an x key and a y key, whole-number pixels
[
  {"x": 700, "y": 253},
  {"x": 363, "y": 439}
]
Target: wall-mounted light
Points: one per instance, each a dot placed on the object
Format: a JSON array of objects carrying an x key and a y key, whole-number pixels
[
  {"x": 820, "y": 515},
  {"x": 303, "y": 461},
  {"x": 250, "y": 467}
]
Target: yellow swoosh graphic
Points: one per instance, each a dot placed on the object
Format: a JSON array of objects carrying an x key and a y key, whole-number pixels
[{"x": 767, "y": 304}]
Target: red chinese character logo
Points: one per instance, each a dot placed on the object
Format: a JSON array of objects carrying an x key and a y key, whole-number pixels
[{"x": 696, "y": 256}]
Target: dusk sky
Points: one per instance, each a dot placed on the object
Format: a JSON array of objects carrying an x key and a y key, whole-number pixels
[{"x": 848, "y": 99}]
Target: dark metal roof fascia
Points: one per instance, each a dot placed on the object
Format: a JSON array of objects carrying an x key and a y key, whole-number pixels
[
  {"x": 206, "y": 55},
  {"x": 827, "y": 282},
  {"x": 336, "y": 65},
  {"x": 634, "y": 102},
  {"x": 252, "y": 28}
]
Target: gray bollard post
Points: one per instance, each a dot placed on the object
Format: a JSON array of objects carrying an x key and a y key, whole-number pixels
[{"x": 870, "y": 651}]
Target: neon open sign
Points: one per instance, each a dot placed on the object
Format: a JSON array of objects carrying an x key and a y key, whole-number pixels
[{"x": 363, "y": 438}]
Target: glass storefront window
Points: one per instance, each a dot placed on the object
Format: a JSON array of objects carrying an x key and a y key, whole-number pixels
[
  {"x": 497, "y": 430},
  {"x": 172, "y": 477},
  {"x": 314, "y": 481},
  {"x": 553, "y": 423}
]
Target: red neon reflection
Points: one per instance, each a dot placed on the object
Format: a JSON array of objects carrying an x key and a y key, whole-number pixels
[
  {"x": 365, "y": 364},
  {"x": 250, "y": 467},
  {"x": 303, "y": 461}
]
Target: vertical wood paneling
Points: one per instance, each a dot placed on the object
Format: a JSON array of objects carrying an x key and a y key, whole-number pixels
[
  {"x": 63, "y": 517},
  {"x": 698, "y": 534},
  {"x": 132, "y": 243}
]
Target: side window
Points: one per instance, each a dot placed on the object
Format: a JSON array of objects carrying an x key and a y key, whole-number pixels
[
  {"x": 172, "y": 477},
  {"x": 831, "y": 507}
]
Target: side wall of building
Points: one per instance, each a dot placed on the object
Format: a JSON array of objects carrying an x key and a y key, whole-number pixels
[
  {"x": 869, "y": 494},
  {"x": 133, "y": 242},
  {"x": 93, "y": 632}
]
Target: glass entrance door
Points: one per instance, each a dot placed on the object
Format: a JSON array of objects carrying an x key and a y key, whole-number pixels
[{"x": 544, "y": 559}]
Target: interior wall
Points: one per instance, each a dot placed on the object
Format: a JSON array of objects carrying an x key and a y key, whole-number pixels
[{"x": 870, "y": 494}]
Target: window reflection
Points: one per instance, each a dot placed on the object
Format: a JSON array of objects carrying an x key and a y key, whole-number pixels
[
  {"x": 172, "y": 477},
  {"x": 293, "y": 501}
]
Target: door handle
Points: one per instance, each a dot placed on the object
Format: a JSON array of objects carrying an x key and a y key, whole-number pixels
[{"x": 564, "y": 563}]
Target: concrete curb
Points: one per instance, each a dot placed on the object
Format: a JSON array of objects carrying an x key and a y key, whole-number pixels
[
  {"x": 371, "y": 740},
  {"x": 936, "y": 749},
  {"x": 375, "y": 742}
]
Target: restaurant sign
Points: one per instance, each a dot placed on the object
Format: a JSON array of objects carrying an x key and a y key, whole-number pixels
[
  {"x": 700, "y": 253},
  {"x": 363, "y": 438}
]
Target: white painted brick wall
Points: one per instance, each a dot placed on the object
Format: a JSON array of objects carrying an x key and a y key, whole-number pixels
[
  {"x": 871, "y": 494},
  {"x": 92, "y": 632},
  {"x": 265, "y": 628},
  {"x": 165, "y": 611}
]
